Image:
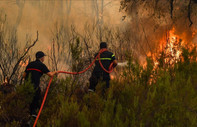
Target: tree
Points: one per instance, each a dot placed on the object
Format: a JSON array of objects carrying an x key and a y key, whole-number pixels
[
  {"x": 11, "y": 55},
  {"x": 151, "y": 19}
]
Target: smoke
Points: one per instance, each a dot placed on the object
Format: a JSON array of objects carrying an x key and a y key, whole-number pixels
[
  {"x": 151, "y": 20},
  {"x": 29, "y": 16},
  {"x": 146, "y": 23}
]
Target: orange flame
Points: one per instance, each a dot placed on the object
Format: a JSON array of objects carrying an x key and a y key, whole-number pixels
[
  {"x": 170, "y": 50},
  {"x": 24, "y": 63}
]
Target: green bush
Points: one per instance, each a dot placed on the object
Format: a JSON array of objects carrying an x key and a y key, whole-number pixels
[
  {"x": 170, "y": 100},
  {"x": 15, "y": 106}
]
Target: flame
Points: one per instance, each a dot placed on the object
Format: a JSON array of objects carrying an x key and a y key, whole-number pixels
[
  {"x": 24, "y": 63},
  {"x": 5, "y": 82},
  {"x": 149, "y": 54},
  {"x": 170, "y": 50},
  {"x": 194, "y": 33},
  {"x": 112, "y": 77}
]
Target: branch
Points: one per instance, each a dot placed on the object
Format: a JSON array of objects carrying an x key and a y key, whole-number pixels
[
  {"x": 3, "y": 72},
  {"x": 25, "y": 53},
  {"x": 54, "y": 56},
  {"x": 146, "y": 39},
  {"x": 87, "y": 47},
  {"x": 107, "y": 3},
  {"x": 189, "y": 13},
  {"x": 86, "y": 44},
  {"x": 171, "y": 8}
]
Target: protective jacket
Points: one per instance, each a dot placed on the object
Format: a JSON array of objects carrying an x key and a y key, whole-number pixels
[
  {"x": 106, "y": 59},
  {"x": 35, "y": 70}
]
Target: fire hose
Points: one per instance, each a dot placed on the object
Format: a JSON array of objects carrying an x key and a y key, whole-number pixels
[{"x": 74, "y": 73}]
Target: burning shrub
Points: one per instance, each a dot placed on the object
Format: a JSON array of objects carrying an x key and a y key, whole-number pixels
[{"x": 168, "y": 100}]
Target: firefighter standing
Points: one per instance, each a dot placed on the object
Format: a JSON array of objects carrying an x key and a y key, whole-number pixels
[
  {"x": 106, "y": 59},
  {"x": 34, "y": 71}
]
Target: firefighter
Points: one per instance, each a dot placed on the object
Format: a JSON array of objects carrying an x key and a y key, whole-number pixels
[
  {"x": 98, "y": 73},
  {"x": 33, "y": 72}
]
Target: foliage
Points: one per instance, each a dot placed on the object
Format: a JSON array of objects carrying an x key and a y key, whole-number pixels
[
  {"x": 76, "y": 51},
  {"x": 171, "y": 100},
  {"x": 140, "y": 97},
  {"x": 12, "y": 56},
  {"x": 15, "y": 105}
]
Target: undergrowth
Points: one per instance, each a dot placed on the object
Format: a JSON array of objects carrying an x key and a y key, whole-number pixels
[{"x": 169, "y": 101}]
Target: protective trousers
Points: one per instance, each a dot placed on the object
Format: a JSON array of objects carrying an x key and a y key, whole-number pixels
[
  {"x": 36, "y": 102},
  {"x": 94, "y": 79}
]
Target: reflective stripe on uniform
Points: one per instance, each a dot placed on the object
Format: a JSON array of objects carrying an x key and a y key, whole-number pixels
[
  {"x": 104, "y": 59},
  {"x": 33, "y": 69},
  {"x": 113, "y": 55}
]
